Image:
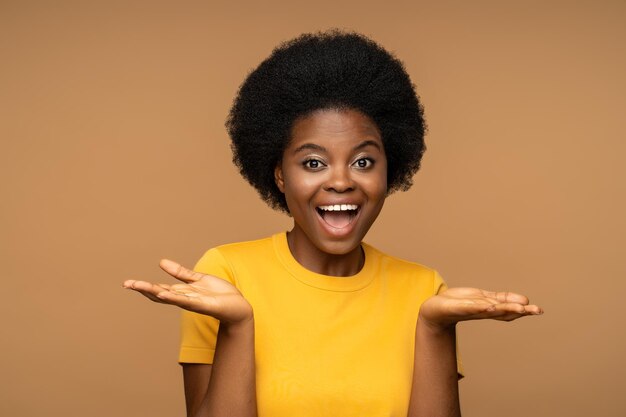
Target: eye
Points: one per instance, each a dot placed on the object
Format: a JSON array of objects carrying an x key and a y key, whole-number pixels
[
  {"x": 313, "y": 164},
  {"x": 364, "y": 163}
]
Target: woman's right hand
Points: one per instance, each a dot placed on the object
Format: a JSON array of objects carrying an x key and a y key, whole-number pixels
[{"x": 200, "y": 293}]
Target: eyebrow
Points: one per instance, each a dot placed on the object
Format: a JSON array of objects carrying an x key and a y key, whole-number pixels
[
  {"x": 315, "y": 147},
  {"x": 367, "y": 143},
  {"x": 311, "y": 146}
]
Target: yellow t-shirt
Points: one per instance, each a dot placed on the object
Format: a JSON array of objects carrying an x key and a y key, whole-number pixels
[{"x": 324, "y": 346}]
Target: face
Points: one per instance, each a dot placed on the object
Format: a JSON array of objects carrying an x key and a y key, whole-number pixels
[{"x": 334, "y": 177}]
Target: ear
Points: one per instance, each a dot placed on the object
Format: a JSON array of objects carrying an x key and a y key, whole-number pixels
[{"x": 278, "y": 177}]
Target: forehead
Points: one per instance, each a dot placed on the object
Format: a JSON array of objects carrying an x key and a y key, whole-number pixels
[{"x": 334, "y": 125}]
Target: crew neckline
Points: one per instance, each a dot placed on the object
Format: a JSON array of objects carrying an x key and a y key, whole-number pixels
[{"x": 326, "y": 282}]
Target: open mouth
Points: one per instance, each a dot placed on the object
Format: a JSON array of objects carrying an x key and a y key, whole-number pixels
[{"x": 338, "y": 216}]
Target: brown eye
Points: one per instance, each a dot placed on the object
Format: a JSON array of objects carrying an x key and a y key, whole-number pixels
[
  {"x": 364, "y": 163},
  {"x": 312, "y": 164}
]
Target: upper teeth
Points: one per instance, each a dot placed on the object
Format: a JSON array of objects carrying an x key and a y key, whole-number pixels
[{"x": 338, "y": 207}]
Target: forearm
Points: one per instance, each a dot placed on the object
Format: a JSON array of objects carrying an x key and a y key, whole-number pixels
[
  {"x": 196, "y": 377},
  {"x": 232, "y": 387},
  {"x": 435, "y": 391}
]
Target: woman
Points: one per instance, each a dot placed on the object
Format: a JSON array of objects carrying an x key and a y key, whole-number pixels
[{"x": 314, "y": 322}]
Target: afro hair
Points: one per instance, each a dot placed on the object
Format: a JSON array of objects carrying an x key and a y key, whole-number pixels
[{"x": 326, "y": 70}]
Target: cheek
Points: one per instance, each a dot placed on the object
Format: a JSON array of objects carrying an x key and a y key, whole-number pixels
[
  {"x": 300, "y": 186},
  {"x": 305, "y": 184},
  {"x": 298, "y": 191},
  {"x": 379, "y": 186},
  {"x": 380, "y": 193}
]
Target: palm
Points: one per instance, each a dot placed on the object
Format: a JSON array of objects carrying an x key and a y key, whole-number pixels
[
  {"x": 200, "y": 293},
  {"x": 460, "y": 304}
]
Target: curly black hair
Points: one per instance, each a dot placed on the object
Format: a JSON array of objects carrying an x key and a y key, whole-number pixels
[{"x": 325, "y": 70}]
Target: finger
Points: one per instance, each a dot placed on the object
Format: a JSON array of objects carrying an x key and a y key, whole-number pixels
[
  {"x": 178, "y": 271},
  {"x": 481, "y": 309},
  {"x": 515, "y": 316},
  {"x": 128, "y": 283},
  {"x": 506, "y": 297},
  {"x": 533, "y": 309},
  {"x": 511, "y": 311},
  {"x": 506, "y": 308},
  {"x": 146, "y": 288}
]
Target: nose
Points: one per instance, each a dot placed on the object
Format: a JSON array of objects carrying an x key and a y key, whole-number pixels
[{"x": 339, "y": 180}]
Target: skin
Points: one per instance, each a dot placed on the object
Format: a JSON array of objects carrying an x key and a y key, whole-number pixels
[
  {"x": 334, "y": 157},
  {"x": 227, "y": 388}
]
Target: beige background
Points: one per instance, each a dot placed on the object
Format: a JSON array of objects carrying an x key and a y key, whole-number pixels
[{"x": 114, "y": 155}]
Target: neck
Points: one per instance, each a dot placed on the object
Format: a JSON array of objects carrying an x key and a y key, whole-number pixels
[{"x": 320, "y": 262}]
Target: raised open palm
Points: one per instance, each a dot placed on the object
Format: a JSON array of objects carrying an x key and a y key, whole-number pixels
[
  {"x": 460, "y": 304},
  {"x": 200, "y": 293}
]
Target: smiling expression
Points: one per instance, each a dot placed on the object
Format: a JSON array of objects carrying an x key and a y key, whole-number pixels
[{"x": 334, "y": 177}]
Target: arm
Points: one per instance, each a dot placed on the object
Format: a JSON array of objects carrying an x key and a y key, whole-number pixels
[
  {"x": 196, "y": 377},
  {"x": 232, "y": 387},
  {"x": 228, "y": 386},
  {"x": 435, "y": 391}
]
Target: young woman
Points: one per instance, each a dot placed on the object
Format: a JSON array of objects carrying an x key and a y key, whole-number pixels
[{"x": 314, "y": 322}]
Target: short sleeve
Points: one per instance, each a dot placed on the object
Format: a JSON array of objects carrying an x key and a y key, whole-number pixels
[
  {"x": 198, "y": 331},
  {"x": 440, "y": 286}
]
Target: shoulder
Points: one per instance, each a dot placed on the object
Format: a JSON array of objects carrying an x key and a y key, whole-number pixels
[
  {"x": 246, "y": 249},
  {"x": 407, "y": 272},
  {"x": 230, "y": 253},
  {"x": 396, "y": 263}
]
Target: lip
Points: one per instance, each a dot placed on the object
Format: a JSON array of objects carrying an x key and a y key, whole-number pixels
[{"x": 343, "y": 231}]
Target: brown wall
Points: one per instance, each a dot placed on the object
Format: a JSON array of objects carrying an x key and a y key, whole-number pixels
[{"x": 114, "y": 155}]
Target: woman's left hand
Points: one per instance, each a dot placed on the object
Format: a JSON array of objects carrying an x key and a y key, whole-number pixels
[{"x": 459, "y": 304}]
